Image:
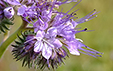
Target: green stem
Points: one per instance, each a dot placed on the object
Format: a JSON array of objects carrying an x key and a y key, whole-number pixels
[
  {"x": 11, "y": 38},
  {"x": 6, "y": 35}
]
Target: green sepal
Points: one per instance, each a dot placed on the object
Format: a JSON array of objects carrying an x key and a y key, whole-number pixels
[
  {"x": 4, "y": 24},
  {"x": 1, "y": 28},
  {"x": 19, "y": 51}
]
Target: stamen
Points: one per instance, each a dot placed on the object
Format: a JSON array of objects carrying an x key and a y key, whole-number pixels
[
  {"x": 80, "y": 31},
  {"x": 29, "y": 40},
  {"x": 88, "y": 17},
  {"x": 90, "y": 54},
  {"x": 85, "y": 29},
  {"x": 72, "y": 7},
  {"x": 94, "y": 50}
]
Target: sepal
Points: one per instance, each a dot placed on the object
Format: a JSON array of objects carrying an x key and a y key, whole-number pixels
[
  {"x": 4, "y": 25},
  {"x": 20, "y": 50}
]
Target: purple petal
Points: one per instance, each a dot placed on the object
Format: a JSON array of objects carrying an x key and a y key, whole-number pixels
[
  {"x": 40, "y": 25},
  {"x": 40, "y": 35},
  {"x": 38, "y": 46},
  {"x": 1, "y": 2},
  {"x": 43, "y": 26},
  {"x": 73, "y": 48},
  {"x": 57, "y": 43},
  {"x": 1, "y": 12},
  {"x": 21, "y": 10},
  {"x": 51, "y": 33},
  {"x": 47, "y": 51}
]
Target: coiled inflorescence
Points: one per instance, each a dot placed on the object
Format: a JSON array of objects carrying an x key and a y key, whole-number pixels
[{"x": 53, "y": 31}]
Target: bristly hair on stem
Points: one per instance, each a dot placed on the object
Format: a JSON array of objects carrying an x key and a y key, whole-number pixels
[{"x": 4, "y": 25}]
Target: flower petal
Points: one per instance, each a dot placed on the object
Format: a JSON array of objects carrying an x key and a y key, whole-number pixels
[
  {"x": 40, "y": 35},
  {"x": 47, "y": 51},
  {"x": 21, "y": 10},
  {"x": 38, "y": 46},
  {"x": 57, "y": 43},
  {"x": 74, "y": 51},
  {"x": 73, "y": 48},
  {"x": 51, "y": 33}
]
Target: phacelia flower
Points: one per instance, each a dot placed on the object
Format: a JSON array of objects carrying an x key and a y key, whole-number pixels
[
  {"x": 53, "y": 33},
  {"x": 39, "y": 50}
]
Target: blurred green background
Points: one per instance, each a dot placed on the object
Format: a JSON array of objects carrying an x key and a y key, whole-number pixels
[{"x": 101, "y": 39}]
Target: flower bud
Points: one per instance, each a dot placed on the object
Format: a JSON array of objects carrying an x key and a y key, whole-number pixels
[{"x": 9, "y": 12}]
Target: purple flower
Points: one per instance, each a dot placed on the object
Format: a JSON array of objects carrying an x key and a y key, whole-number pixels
[
  {"x": 40, "y": 50},
  {"x": 66, "y": 33},
  {"x": 53, "y": 31},
  {"x": 46, "y": 42}
]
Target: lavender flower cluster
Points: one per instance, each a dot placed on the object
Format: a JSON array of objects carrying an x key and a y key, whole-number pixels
[{"x": 53, "y": 32}]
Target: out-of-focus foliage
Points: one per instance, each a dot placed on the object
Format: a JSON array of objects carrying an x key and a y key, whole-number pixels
[{"x": 101, "y": 39}]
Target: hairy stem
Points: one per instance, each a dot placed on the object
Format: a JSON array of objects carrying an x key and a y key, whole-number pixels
[
  {"x": 11, "y": 38},
  {"x": 6, "y": 35}
]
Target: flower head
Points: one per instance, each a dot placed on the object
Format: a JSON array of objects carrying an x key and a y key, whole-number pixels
[
  {"x": 53, "y": 32},
  {"x": 39, "y": 50}
]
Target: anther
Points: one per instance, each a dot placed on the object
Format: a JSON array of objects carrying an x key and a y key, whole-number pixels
[{"x": 85, "y": 29}]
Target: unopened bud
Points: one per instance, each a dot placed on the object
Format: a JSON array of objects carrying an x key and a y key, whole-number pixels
[{"x": 9, "y": 12}]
